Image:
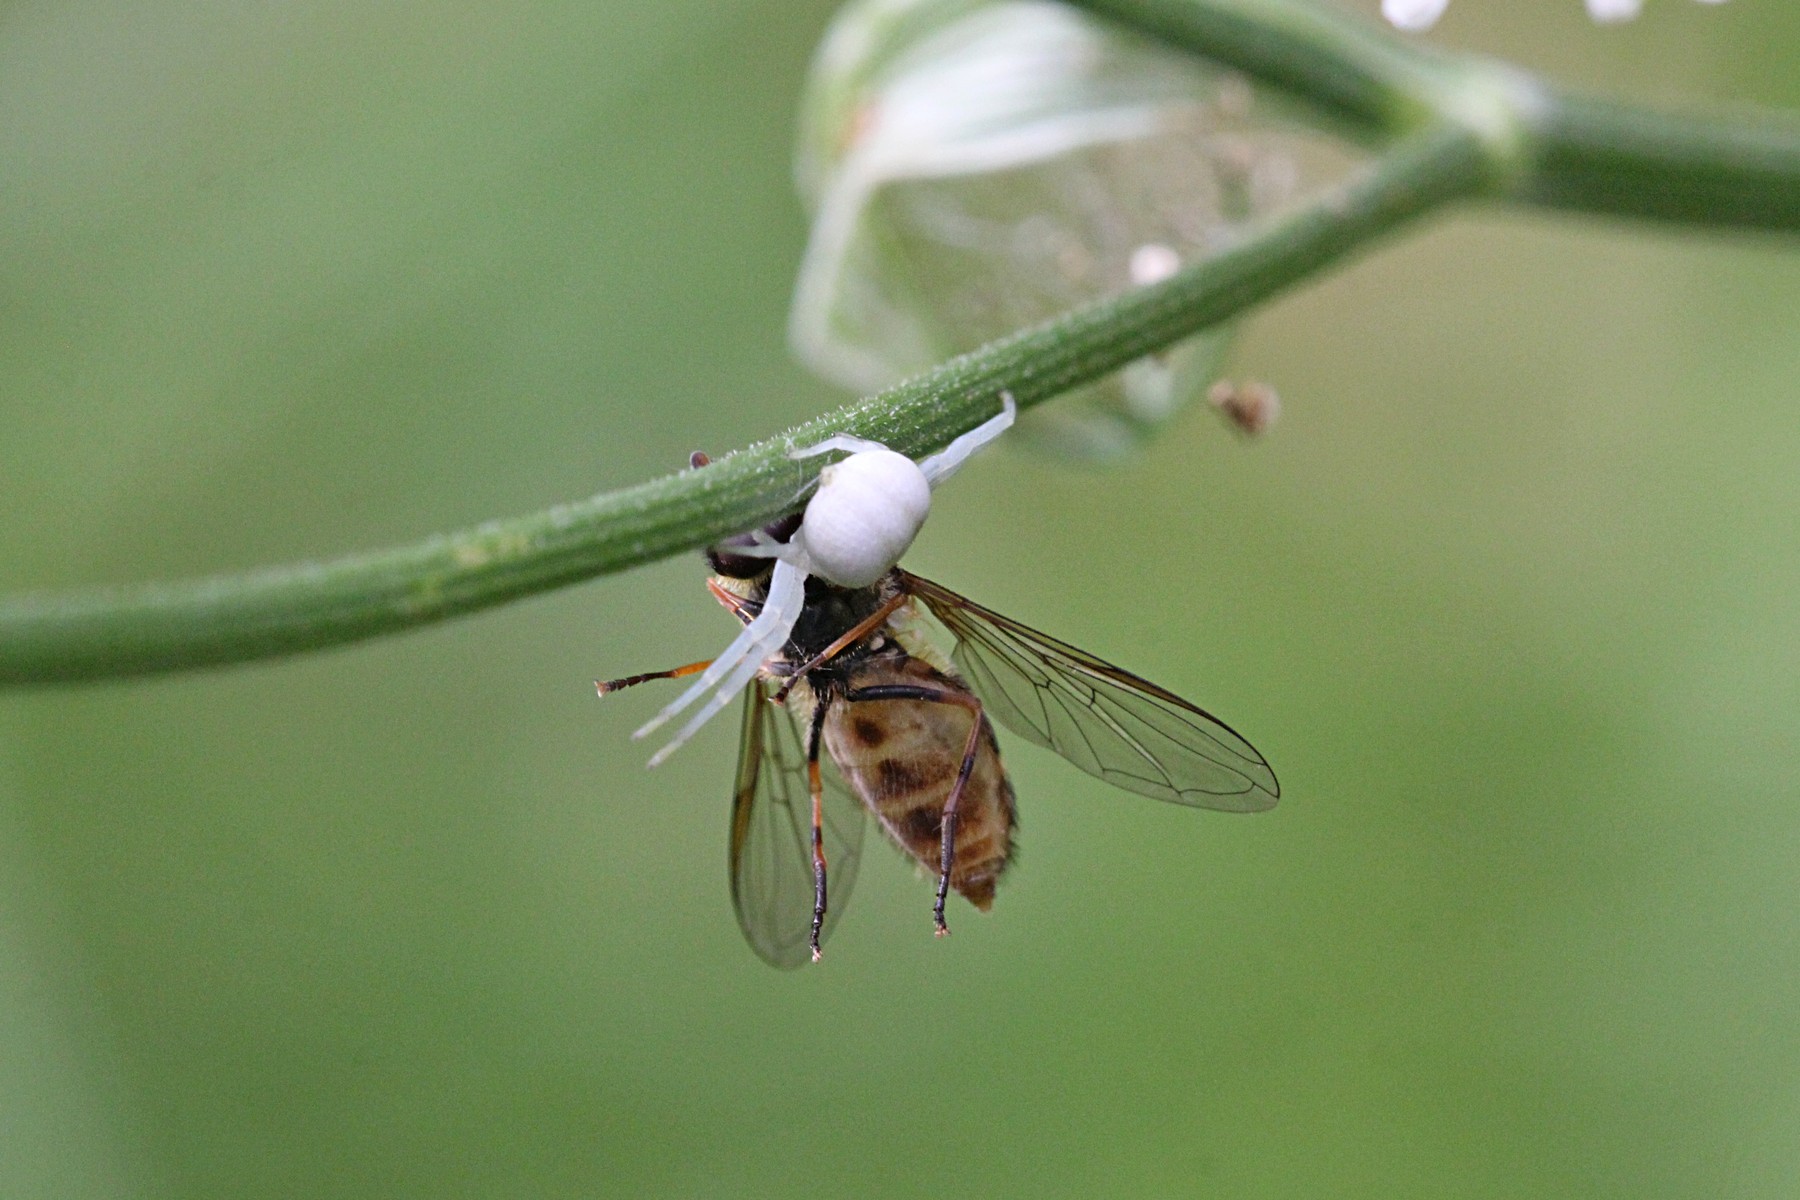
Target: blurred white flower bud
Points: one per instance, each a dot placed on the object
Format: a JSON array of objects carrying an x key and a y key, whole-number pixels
[
  {"x": 973, "y": 168},
  {"x": 1416, "y": 15},
  {"x": 1413, "y": 15},
  {"x": 1608, "y": 11}
]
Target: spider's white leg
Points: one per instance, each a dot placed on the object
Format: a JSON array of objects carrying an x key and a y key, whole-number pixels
[
  {"x": 759, "y": 639},
  {"x": 728, "y": 659},
  {"x": 839, "y": 441},
  {"x": 787, "y": 595},
  {"x": 727, "y": 690},
  {"x": 940, "y": 466},
  {"x": 765, "y": 546}
]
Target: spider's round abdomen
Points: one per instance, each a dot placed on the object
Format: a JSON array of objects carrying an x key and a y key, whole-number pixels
[{"x": 867, "y": 511}]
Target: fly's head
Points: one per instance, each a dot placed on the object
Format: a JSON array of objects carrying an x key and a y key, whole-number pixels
[{"x": 726, "y": 558}]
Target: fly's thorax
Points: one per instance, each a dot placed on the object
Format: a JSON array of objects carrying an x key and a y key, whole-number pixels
[
  {"x": 901, "y": 757},
  {"x": 908, "y": 628},
  {"x": 801, "y": 702},
  {"x": 831, "y": 612}
]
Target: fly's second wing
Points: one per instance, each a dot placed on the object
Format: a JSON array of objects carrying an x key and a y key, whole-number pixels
[
  {"x": 1106, "y": 721},
  {"x": 771, "y": 835}
]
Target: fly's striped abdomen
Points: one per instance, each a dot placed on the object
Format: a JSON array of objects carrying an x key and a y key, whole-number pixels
[{"x": 901, "y": 757}]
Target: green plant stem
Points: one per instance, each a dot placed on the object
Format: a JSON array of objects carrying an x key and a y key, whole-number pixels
[
  {"x": 1548, "y": 146},
  {"x": 131, "y": 631},
  {"x": 1458, "y": 127},
  {"x": 1345, "y": 67},
  {"x": 1600, "y": 156}
]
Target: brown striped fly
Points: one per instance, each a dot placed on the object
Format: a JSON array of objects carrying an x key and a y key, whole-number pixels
[{"x": 861, "y": 712}]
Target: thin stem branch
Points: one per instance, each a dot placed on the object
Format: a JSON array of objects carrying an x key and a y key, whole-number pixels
[
  {"x": 1600, "y": 156},
  {"x": 1547, "y": 145},
  {"x": 132, "y": 631},
  {"x": 1345, "y": 67}
]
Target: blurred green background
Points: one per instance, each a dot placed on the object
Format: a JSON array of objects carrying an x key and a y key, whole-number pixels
[{"x": 1508, "y": 598}]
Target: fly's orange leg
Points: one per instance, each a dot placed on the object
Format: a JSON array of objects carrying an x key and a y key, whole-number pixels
[
  {"x": 608, "y": 687},
  {"x": 947, "y": 853}
]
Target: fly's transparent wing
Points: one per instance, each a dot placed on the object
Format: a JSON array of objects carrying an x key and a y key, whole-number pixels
[
  {"x": 771, "y": 835},
  {"x": 1108, "y": 722}
]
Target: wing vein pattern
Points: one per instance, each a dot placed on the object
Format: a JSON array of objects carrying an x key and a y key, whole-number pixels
[
  {"x": 1110, "y": 723},
  {"x": 771, "y": 834}
]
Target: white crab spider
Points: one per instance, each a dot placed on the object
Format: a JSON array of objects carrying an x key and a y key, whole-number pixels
[{"x": 865, "y": 514}]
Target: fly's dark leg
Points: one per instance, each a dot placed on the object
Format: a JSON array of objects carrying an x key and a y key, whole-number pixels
[
  {"x": 608, "y": 687},
  {"x": 963, "y": 772},
  {"x": 817, "y": 787},
  {"x": 947, "y": 853}
]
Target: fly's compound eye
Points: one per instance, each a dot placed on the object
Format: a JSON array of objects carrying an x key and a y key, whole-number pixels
[
  {"x": 867, "y": 511},
  {"x": 744, "y": 566}
]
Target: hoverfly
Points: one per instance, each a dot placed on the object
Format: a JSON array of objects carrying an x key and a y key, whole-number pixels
[{"x": 859, "y": 712}]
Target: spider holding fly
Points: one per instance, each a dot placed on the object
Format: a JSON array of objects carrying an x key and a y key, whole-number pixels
[{"x": 849, "y": 707}]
